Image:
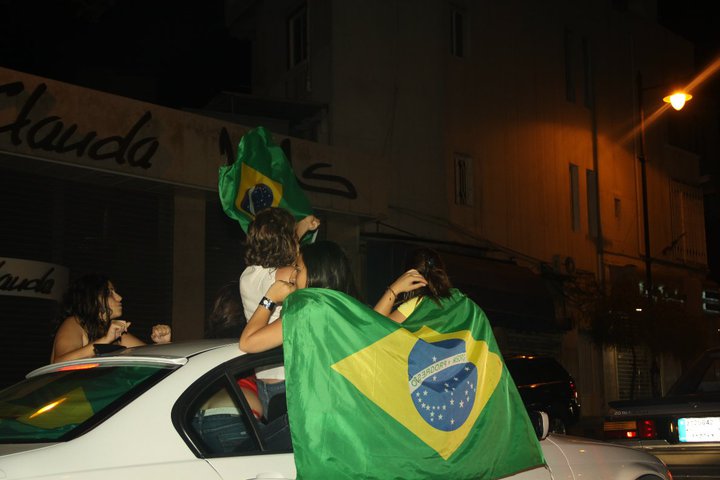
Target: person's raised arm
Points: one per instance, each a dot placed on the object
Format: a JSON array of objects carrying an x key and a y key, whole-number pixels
[
  {"x": 407, "y": 282},
  {"x": 307, "y": 224},
  {"x": 68, "y": 344},
  {"x": 259, "y": 335}
]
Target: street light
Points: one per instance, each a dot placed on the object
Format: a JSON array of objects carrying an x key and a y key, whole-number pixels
[{"x": 677, "y": 100}]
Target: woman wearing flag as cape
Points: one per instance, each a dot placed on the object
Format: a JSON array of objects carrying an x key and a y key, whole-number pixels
[{"x": 425, "y": 277}]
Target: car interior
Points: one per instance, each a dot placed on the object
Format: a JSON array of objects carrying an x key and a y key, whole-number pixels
[{"x": 222, "y": 423}]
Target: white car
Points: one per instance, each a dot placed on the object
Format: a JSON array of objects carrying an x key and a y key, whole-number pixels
[{"x": 176, "y": 411}]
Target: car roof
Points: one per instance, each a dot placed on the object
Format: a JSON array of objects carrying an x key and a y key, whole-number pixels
[{"x": 176, "y": 353}]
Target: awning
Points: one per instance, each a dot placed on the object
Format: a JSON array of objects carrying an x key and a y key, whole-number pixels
[{"x": 511, "y": 296}]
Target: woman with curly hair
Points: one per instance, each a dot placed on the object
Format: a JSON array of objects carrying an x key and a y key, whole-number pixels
[
  {"x": 91, "y": 315},
  {"x": 271, "y": 250}
]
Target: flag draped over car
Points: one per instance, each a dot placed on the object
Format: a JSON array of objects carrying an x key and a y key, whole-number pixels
[
  {"x": 260, "y": 177},
  {"x": 431, "y": 398}
]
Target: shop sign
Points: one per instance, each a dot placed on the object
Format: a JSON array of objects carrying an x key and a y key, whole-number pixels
[{"x": 28, "y": 278}]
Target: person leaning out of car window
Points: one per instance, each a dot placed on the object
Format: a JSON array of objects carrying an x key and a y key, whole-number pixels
[
  {"x": 227, "y": 320},
  {"x": 91, "y": 314}
]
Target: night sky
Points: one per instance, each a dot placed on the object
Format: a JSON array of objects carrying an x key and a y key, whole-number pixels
[{"x": 185, "y": 45}]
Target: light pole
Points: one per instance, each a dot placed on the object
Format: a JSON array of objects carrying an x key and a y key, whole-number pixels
[{"x": 677, "y": 100}]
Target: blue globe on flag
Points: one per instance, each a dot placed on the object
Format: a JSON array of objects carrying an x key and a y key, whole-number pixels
[
  {"x": 443, "y": 384},
  {"x": 257, "y": 198}
]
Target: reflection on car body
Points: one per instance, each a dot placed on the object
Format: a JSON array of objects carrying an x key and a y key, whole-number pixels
[
  {"x": 176, "y": 411},
  {"x": 683, "y": 427}
]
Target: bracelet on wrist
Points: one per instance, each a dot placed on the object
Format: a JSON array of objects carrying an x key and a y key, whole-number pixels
[
  {"x": 392, "y": 291},
  {"x": 267, "y": 303}
]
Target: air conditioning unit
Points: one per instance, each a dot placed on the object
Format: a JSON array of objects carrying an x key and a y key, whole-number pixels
[
  {"x": 711, "y": 301},
  {"x": 563, "y": 265}
]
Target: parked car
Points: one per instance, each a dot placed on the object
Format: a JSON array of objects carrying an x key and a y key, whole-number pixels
[
  {"x": 682, "y": 428},
  {"x": 545, "y": 385},
  {"x": 143, "y": 413}
]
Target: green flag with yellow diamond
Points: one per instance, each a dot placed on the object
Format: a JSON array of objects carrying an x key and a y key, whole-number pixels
[
  {"x": 260, "y": 177},
  {"x": 372, "y": 399}
]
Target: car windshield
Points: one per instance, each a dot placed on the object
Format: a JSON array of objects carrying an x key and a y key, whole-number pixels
[
  {"x": 702, "y": 377},
  {"x": 66, "y": 402},
  {"x": 527, "y": 371}
]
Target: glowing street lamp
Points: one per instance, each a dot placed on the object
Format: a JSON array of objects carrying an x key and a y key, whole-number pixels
[{"x": 677, "y": 99}]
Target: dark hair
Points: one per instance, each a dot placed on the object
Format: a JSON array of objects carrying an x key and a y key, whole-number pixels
[
  {"x": 428, "y": 262},
  {"x": 328, "y": 267},
  {"x": 227, "y": 318},
  {"x": 271, "y": 241},
  {"x": 86, "y": 299}
]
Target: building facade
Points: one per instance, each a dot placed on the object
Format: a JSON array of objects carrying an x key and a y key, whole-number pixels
[{"x": 524, "y": 140}]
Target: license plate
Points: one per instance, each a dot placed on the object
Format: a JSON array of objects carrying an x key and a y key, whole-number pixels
[{"x": 705, "y": 429}]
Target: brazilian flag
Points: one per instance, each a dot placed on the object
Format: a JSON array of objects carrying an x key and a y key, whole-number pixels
[
  {"x": 260, "y": 177},
  {"x": 372, "y": 399}
]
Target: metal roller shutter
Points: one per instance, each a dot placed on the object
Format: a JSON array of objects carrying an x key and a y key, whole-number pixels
[{"x": 86, "y": 221}]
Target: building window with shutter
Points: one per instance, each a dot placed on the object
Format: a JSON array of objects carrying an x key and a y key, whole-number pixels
[
  {"x": 592, "y": 203},
  {"x": 297, "y": 37},
  {"x": 457, "y": 33},
  {"x": 574, "y": 197},
  {"x": 568, "y": 47},
  {"x": 463, "y": 180},
  {"x": 688, "y": 243}
]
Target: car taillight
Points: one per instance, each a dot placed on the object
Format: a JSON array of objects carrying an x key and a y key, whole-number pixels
[
  {"x": 630, "y": 429},
  {"x": 574, "y": 390},
  {"x": 646, "y": 429}
]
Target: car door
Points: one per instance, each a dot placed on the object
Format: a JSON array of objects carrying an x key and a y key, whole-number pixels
[{"x": 218, "y": 423}]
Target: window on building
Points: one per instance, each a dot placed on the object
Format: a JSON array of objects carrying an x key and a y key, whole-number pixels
[
  {"x": 575, "y": 197},
  {"x": 587, "y": 73},
  {"x": 617, "y": 207},
  {"x": 457, "y": 33},
  {"x": 592, "y": 203},
  {"x": 569, "y": 66},
  {"x": 298, "y": 37},
  {"x": 688, "y": 242},
  {"x": 463, "y": 180}
]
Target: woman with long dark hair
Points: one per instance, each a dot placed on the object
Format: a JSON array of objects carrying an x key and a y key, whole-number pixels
[
  {"x": 91, "y": 314},
  {"x": 322, "y": 264},
  {"x": 425, "y": 277}
]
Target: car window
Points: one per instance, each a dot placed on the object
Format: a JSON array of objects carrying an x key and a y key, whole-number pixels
[
  {"x": 702, "y": 376},
  {"x": 224, "y": 419},
  {"x": 64, "y": 403},
  {"x": 219, "y": 423},
  {"x": 525, "y": 371},
  {"x": 711, "y": 380}
]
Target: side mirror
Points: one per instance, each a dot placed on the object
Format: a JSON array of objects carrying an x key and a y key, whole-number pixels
[{"x": 541, "y": 423}]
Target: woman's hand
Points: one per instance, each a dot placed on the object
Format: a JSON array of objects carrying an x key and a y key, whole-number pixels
[
  {"x": 307, "y": 224},
  {"x": 161, "y": 334},
  {"x": 116, "y": 329},
  {"x": 279, "y": 290},
  {"x": 407, "y": 282}
]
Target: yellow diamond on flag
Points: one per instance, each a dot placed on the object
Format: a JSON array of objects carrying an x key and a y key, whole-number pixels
[
  {"x": 442, "y": 399},
  {"x": 257, "y": 191}
]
